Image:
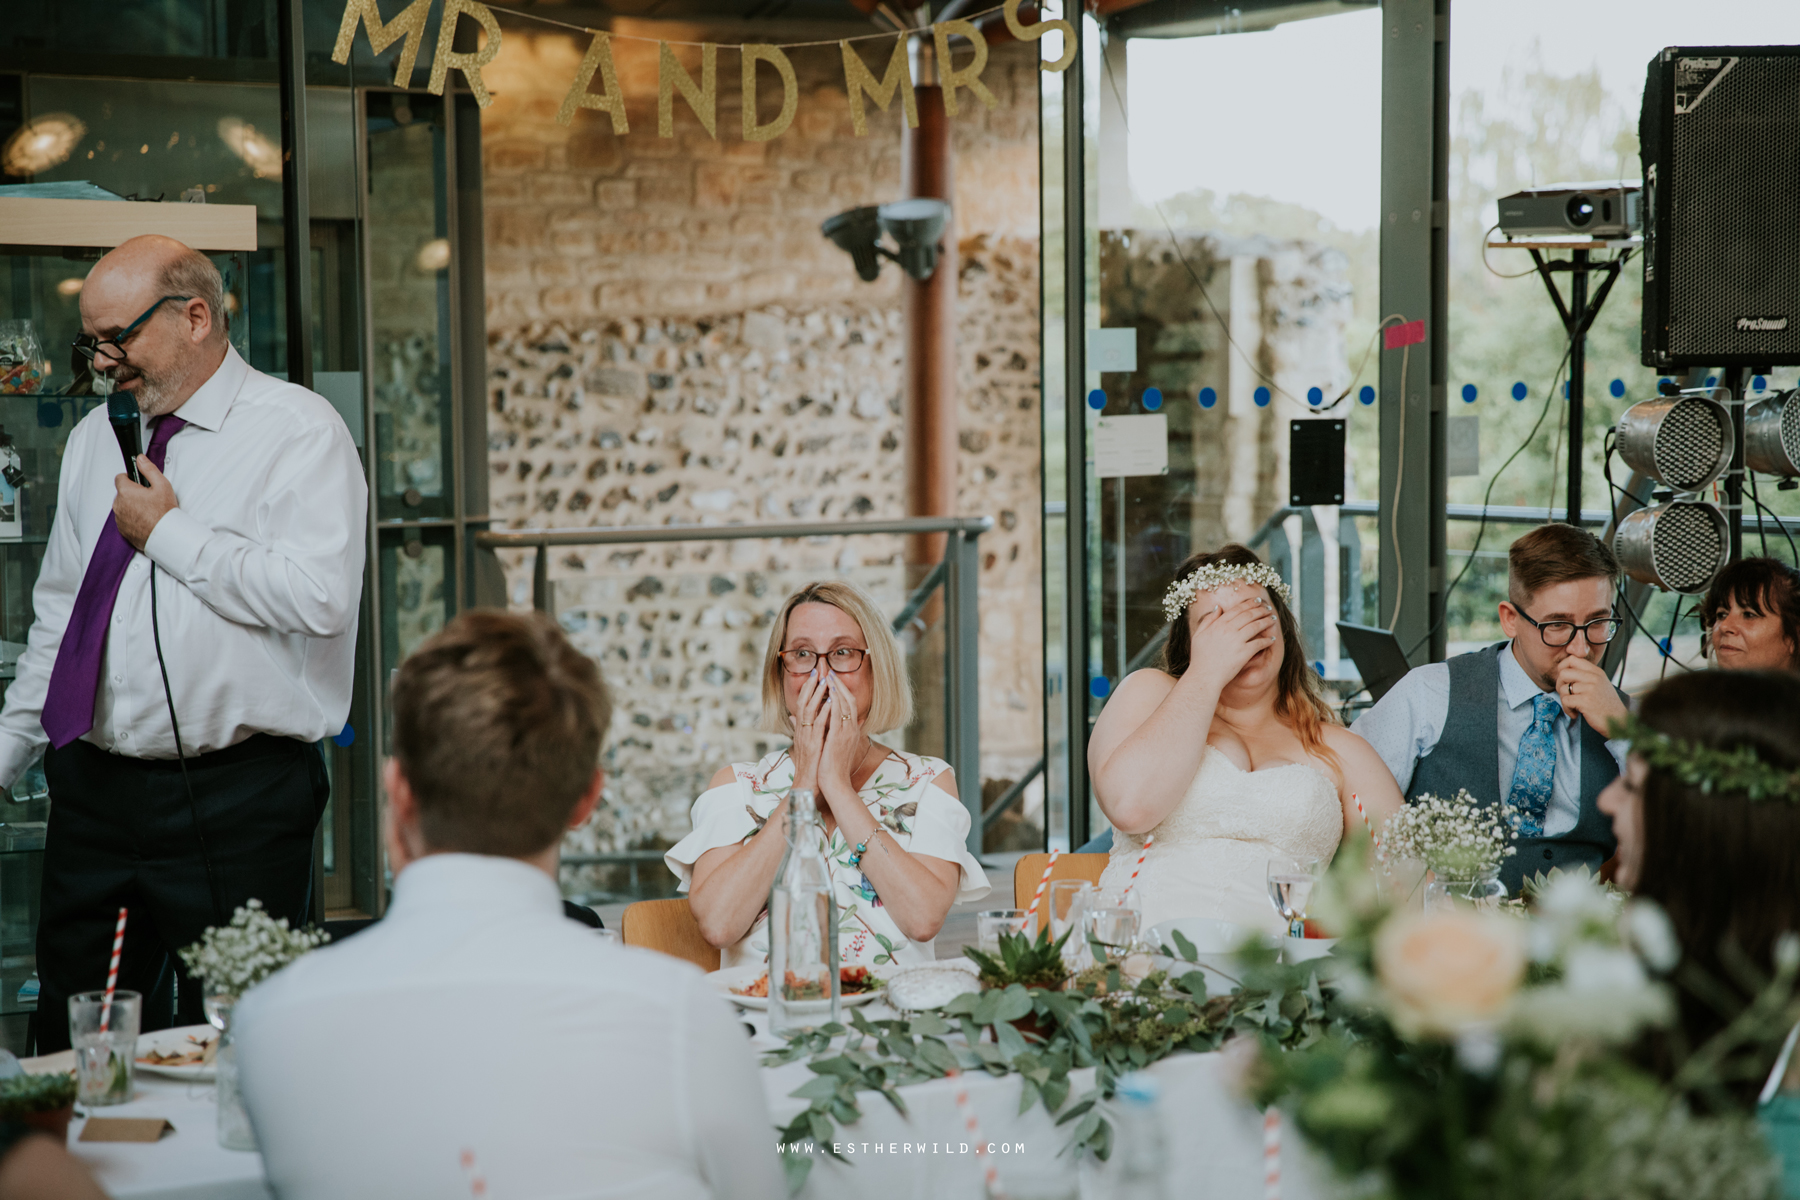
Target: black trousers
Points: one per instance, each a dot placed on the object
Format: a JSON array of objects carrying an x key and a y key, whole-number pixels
[{"x": 121, "y": 832}]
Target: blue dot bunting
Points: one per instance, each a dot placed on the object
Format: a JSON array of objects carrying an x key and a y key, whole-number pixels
[
  {"x": 1759, "y": 383},
  {"x": 1469, "y": 393},
  {"x": 1315, "y": 396},
  {"x": 1152, "y": 399},
  {"x": 1096, "y": 399},
  {"x": 1712, "y": 381},
  {"x": 1565, "y": 389},
  {"x": 1262, "y": 397},
  {"x": 345, "y": 737},
  {"x": 1367, "y": 395},
  {"x": 1208, "y": 397},
  {"x": 1519, "y": 390},
  {"x": 1617, "y": 388},
  {"x": 1099, "y": 686}
]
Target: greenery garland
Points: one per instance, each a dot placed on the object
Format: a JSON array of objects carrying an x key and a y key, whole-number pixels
[
  {"x": 1098, "y": 1020},
  {"x": 1737, "y": 771}
]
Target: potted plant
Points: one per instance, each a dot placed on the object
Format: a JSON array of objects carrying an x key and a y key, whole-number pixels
[
  {"x": 1031, "y": 962},
  {"x": 44, "y": 1102}
]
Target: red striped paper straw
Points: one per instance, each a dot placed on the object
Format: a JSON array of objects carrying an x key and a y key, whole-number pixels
[
  {"x": 1149, "y": 841},
  {"x": 1373, "y": 836},
  {"x": 112, "y": 972},
  {"x": 1037, "y": 897},
  {"x": 1271, "y": 1155},
  {"x": 990, "y": 1174}
]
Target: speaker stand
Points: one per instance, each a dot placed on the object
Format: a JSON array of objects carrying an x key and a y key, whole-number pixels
[{"x": 1577, "y": 316}]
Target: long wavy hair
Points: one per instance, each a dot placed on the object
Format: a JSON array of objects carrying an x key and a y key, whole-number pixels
[{"x": 1299, "y": 701}]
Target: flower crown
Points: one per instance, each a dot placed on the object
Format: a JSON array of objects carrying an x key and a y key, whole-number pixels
[
  {"x": 1714, "y": 772},
  {"x": 1181, "y": 593}
]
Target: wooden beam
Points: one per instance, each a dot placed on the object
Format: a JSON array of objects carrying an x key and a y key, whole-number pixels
[{"x": 32, "y": 221}]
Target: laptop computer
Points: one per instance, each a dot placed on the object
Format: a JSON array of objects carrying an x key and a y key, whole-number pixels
[{"x": 1377, "y": 654}]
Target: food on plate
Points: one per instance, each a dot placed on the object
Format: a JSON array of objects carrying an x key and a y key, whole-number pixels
[
  {"x": 852, "y": 981},
  {"x": 197, "y": 1052}
]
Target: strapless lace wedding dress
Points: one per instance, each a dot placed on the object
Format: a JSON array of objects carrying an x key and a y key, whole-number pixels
[{"x": 1211, "y": 856}]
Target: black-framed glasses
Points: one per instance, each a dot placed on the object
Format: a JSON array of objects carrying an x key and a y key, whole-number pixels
[
  {"x": 107, "y": 353},
  {"x": 1561, "y": 633},
  {"x": 845, "y": 660}
]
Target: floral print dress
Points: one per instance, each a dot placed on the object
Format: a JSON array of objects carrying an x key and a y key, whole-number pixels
[{"x": 922, "y": 817}]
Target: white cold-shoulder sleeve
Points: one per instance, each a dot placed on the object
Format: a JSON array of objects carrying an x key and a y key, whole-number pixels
[
  {"x": 723, "y": 816},
  {"x": 940, "y": 828}
]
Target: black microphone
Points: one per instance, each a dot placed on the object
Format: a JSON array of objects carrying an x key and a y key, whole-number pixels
[{"x": 122, "y": 412}]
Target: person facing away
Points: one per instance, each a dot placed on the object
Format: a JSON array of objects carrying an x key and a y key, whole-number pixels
[
  {"x": 1227, "y": 753},
  {"x": 474, "y": 1033},
  {"x": 1526, "y": 719},
  {"x": 1722, "y": 860},
  {"x": 219, "y": 598},
  {"x": 1751, "y": 615},
  {"x": 897, "y": 836}
]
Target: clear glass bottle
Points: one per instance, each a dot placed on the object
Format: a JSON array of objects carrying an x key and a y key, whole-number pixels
[
  {"x": 803, "y": 926},
  {"x": 1140, "y": 1153}
]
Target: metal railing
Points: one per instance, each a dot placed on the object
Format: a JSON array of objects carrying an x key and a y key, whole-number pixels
[{"x": 957, "y": 574}]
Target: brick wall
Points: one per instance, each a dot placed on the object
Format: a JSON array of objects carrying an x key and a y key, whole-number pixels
[{"x": 672, "y": 341}]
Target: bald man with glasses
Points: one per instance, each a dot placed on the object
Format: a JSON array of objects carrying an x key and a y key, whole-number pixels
[
  {"x": 194, "y": 640},
  {"x": 1527, "y": 719}
]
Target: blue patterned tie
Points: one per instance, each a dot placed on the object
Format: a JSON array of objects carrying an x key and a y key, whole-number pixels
[{"x": 1535, "y": 772}]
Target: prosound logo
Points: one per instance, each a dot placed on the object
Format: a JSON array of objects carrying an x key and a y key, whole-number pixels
[{"x": 1761, "y": 324}]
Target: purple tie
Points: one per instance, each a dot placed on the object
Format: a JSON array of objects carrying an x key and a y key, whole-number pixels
[{"x": 75, "y": 680}]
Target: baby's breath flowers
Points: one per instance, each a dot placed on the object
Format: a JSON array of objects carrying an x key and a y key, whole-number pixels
[
  {"x": 1458, "y": 837},
  {"x": 249, "y": 950},
  {"x": 1181, "y": 593}
]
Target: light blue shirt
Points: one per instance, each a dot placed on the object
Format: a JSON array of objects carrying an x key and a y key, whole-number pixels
[{"x": 1405, "y": 725}]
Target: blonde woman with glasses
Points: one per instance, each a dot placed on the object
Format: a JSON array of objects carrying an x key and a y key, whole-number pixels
[{"x": 896, "y": 830}]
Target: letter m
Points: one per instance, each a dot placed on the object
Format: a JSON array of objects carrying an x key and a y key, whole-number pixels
[{"x": 410, "y": 24}]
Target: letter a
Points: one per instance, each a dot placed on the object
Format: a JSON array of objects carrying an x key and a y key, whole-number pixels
[{"x": 599, "y": 57}]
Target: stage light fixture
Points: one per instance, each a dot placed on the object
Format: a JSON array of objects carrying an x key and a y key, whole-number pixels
[
  {"x": 917, "y": 227},
  {"x": 1682, "y": 441},
  {"x": 1772, "y": 435},
  {"x": 1677, "y": 547}
]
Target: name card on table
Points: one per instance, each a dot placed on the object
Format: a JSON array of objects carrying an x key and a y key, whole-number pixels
[
  {"x": 1134, "y": 445},
  {"x": 125, "y": 1129}
]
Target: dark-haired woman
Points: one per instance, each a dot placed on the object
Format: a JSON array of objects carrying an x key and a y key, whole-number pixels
[
  {"x": 1716, "y": 845},
  {"x": 1752, "y": 616},
  {"x": 1227, "y": 754}
]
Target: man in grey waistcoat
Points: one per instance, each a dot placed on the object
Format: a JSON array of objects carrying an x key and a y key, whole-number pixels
[{"x": 1527, "y": 718}]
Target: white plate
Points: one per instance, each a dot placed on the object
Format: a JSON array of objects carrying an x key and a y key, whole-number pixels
[
  {"x": 924, "y": 980},
  {"x": 170, "y": 1041},
  {"x": 727, "y": 978}
]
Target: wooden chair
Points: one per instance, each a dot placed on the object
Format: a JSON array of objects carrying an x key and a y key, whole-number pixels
[
  {"x": 668, "y": 926},
  {"x": 1068, "y": 866}
]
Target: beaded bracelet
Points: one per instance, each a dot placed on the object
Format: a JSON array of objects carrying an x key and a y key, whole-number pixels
[{"x": 856, "y": 855}]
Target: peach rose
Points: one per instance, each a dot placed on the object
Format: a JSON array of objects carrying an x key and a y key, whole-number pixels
[{"x": 1450, "y": 970}]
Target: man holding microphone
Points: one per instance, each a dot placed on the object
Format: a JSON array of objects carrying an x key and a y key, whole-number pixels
[{"x": 247, "y": 536}]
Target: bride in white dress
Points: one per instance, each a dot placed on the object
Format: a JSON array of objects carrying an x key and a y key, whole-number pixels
[{"x": 1229, "y": 754}]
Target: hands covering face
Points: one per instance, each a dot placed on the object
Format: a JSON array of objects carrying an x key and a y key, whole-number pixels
[{"x": 1235, "y": 631}]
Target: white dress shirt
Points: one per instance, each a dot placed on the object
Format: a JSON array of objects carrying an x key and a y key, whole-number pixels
[
  {"x": 1405, "y": 725},
  {"x": 261, "y": 578},
  {"x": 475, "y": 1031}
]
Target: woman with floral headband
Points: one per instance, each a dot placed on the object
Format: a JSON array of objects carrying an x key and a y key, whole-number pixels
[
  {"x": 897, "y": 832},
  {"x": 1707, "y": 813},
  {"x": 1228, "y": 754}
]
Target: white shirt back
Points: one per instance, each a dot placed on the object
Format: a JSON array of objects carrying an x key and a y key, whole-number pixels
[{"x": 476, "y": 1032}]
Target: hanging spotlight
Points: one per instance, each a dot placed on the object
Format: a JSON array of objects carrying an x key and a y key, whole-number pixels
[
  {"x": 1677, "y": 547},
  {"x": 1683, "y": 441},
  {"x": 1772, "y": 435}
]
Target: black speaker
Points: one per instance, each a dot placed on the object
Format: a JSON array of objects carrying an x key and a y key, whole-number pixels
[{"x": 1720, "y": 139}]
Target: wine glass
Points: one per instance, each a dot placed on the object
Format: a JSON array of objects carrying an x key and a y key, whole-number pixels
[
  {"x": 1290, "y": 890},
  {"x": 1112, "y": 918}
]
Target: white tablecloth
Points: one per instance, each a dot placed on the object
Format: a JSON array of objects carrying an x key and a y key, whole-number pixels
[{"x": 1214, "y": 1141}]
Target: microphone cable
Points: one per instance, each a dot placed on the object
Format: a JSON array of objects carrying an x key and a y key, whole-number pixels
[{"x": 212, "y": 881}]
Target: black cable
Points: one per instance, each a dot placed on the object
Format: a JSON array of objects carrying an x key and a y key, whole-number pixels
[
  {"x": 1669, "y": 645},
  {"x": 1762, "y": 508},
  {"x": 1762, "y": 535},
  {"x": 1481, "y": 528},
  {"x": 212, "y": 882}
]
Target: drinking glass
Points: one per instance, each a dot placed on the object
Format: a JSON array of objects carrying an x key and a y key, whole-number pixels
[
  {"x": 1068, "y": 898},
  {"x": 105, "y": 1062},
  {"x": 991, "y": 924},
  {"x": 1291, "y": 888},
  {"x": 1112, "y": 918}
]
